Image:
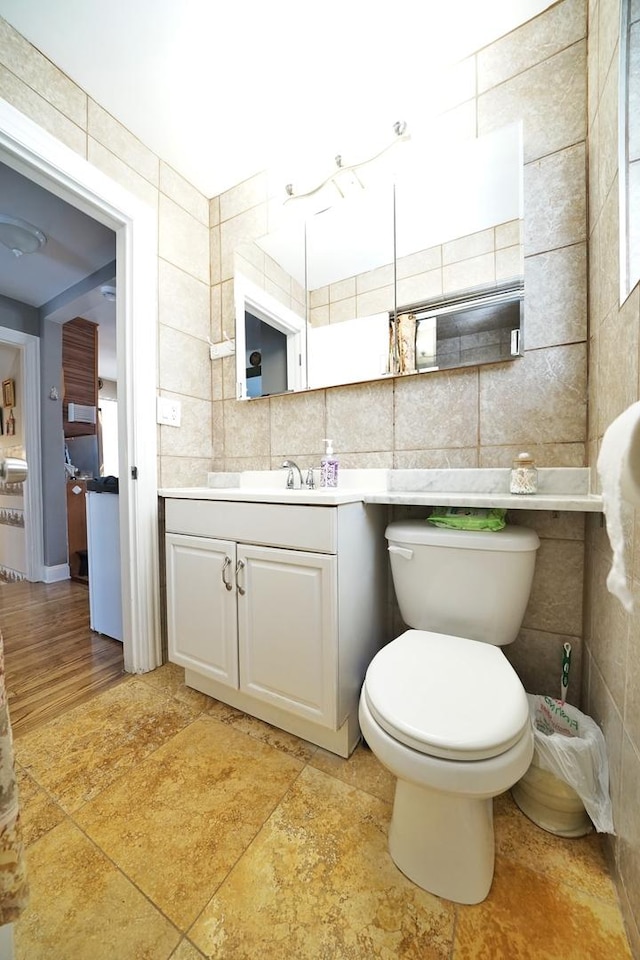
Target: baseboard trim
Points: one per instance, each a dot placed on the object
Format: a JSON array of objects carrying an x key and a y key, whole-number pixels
[{"x": 54, "y": 574}]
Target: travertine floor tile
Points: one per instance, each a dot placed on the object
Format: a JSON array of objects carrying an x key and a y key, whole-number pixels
[
  {"x": 80, "y": 753},
  {"x": 186, "y": 951},
  {"x": 253, "y": 727},
  {"x": 198, "y": 812},
  {"x": 38, "y": 812},
  {"x": 577, "y": 862},
  {"x": 530, "y": 916},
  {"x": 362, "y": 770},
  {"x": 177, "y": 823},
  {"x": 82, "y": 907},
  {"x": 169, "y": 680},
  {"x": 318, "y": 882}
]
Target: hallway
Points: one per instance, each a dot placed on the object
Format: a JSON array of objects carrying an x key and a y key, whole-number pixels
[{"x": 54, "y": 661}]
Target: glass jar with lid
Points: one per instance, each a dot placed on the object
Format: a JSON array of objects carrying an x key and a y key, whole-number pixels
[{"x": 524, "y": 475}]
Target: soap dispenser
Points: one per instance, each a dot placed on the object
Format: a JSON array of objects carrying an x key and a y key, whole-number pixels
[{"x": 329, "y": 467}]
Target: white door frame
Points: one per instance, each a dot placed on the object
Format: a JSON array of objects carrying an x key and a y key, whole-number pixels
[{"x": 36, "y": 154}]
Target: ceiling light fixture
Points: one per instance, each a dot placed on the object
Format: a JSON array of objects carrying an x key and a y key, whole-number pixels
[
  {"x": 19, "y": 236},
  {"x": 109, "y": 293}
]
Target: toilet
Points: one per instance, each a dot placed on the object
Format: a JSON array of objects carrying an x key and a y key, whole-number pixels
[{"x": 442, "y": 708}]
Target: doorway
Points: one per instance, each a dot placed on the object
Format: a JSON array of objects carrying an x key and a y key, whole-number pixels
[{"x": 35, "y": 154}]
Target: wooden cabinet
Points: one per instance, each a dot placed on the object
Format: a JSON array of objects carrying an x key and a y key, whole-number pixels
[
  {"x": 281, "y": 614},
  {"x": 77, "y": 529},
  {"x": 80, "y": 372}
]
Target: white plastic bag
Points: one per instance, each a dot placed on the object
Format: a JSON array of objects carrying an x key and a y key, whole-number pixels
[{"x": 571, "y": 746}]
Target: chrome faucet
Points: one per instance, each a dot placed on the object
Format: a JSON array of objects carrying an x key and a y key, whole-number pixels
[{"x": 291, "y": 465}]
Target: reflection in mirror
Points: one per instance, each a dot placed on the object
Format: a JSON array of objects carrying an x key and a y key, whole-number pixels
[
  {"x": 350, "y": 352},
  {"x": 444, "y": 228},
  {"x": 484, "y": 327},
  {"x": 350, "y": 252},
  {"x": 465, "y": 230},
  {"x": 270, "y": 340},
  {"x": 629, "y": 147}
]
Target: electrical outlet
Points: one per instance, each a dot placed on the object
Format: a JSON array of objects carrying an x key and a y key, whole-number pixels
[
  {"x": 168, "y": 411},
  {"x": 226, "y": 348}
]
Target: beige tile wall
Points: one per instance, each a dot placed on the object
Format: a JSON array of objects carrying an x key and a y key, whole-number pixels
[
  {"x": 264, "y": 272},
  {"x": 611, "y": 678},
  {"x": 485, "y": 257}
]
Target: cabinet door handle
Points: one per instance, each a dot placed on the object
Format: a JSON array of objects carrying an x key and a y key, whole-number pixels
[
  {"x": 227, "y": 563},
  {"x": 239, "y": 568}
]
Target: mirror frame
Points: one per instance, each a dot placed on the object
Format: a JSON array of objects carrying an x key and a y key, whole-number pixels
[{"x": 628, "y": 126}]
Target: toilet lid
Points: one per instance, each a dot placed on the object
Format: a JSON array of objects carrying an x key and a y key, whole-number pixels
[{"x": 447, "y": 696}]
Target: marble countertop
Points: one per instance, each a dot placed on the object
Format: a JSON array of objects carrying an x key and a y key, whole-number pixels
[
  {"x": 584, "y": 503},
  {"x": 560, "y": 488}
]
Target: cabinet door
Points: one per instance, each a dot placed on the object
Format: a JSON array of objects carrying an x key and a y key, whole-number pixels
[
  {"x": 287, "y": 624},
  {"x": 77, "y": 529},
  {"x": 202, "y": 623}
]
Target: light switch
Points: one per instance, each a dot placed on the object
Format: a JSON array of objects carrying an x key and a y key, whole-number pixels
[{"x": 168, "y": 411}]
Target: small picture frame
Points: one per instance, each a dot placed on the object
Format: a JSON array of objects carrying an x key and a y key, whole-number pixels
[{"x": 8, "y": 393}]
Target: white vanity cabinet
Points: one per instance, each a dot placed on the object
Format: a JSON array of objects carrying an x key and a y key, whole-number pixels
[
  {"x": 202, "y": 622},
  {"x": 277, "y": 609}
]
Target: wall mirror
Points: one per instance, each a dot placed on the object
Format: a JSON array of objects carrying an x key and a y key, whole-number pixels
[
  {"x": 629, "y": 146},
  {"x": 415, "y": 270}
]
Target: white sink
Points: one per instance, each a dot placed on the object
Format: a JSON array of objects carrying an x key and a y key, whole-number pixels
[
  {"x": 270, "y": 486},
  {"x": 319, "y": 497}
]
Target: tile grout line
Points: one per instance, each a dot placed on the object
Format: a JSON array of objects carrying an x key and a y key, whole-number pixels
[
  {"x": 246, "y": 849},
  {"x": 130, "y": 880}
]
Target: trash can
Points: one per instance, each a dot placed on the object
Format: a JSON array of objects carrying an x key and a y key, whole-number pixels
[
  {"x": 550, "y": 802},
  {"x": 566, "y": 788}
]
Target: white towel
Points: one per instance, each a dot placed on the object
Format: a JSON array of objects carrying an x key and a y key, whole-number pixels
[{"x": 619, "y": 472}]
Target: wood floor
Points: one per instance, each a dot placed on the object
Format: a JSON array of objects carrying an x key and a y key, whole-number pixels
[{"x": 53, "y": 660}]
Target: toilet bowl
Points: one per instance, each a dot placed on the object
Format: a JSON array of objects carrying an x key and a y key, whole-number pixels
[
  {"x": 454, "y": 729},
  {"x": 445, "y": 713}
]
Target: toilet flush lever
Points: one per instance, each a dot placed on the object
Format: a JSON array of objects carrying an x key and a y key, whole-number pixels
[{"x": 403, "y": 552}]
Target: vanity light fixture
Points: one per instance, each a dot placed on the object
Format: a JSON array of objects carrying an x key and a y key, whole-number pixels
[
  {"x": 345, "y": 178},
  {"x": 19, "y": 236}
]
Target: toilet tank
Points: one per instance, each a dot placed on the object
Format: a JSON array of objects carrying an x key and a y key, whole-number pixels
[{"x": 473, "y": 584}]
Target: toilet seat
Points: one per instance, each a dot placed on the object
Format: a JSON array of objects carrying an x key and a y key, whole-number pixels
[{"x": 447, "y": 696}]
